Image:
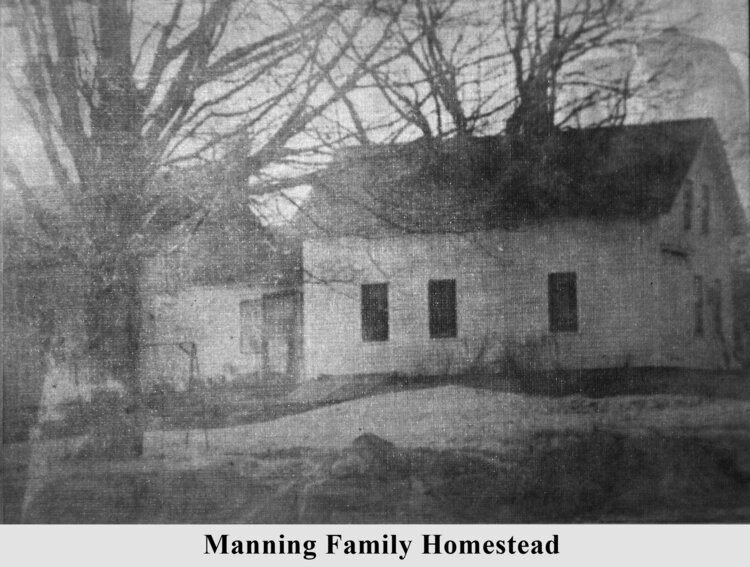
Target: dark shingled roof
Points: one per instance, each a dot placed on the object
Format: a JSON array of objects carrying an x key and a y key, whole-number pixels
[{"x": 479, "y": 183}]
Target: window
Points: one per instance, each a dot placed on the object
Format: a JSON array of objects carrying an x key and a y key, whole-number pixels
[
  {"x": 705, "y": 210},
  {"x": 698, "y": 305},
  {"x": 441, "y": 297},
  {"x": 714, "y": 303},
  {"x": 375, "y": 312},
  {"x": 251, "y": 318},
  {"x": 563, "y": 302},
  {"x": 172, "y": 270},
  {"x": 687, "y": 211}
]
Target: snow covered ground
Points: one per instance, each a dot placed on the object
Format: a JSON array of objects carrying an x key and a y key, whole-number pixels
[
  {"x": 279, "y": 470},
  {"x": 460, "y": 417}
]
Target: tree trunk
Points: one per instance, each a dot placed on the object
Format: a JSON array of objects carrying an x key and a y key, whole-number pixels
[
  {"x": 534, "y": 117},
  {"x": 113, "y": 315}
]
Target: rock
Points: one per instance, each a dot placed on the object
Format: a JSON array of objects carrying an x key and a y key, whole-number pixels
[
  {"x": 381, "y": 457},
  {"x": 372, "y": 444},
  {"x": 350, "y": 465}
]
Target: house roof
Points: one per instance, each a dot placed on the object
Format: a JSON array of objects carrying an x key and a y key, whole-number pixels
[
  {"x": 231, "y": 247},
  {"x": 480, "y": 183}
]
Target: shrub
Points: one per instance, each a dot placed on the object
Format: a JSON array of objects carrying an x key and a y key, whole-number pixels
[{"x": 527, "y": 360}]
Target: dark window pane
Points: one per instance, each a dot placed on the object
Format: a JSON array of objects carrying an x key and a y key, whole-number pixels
[
  {"x": 698, "y": 305},
  {"x": 687, "y": 211},
  {"x": 442, "y": 302},
  {"x": 375, "y": 312},
  {"x": 714, "y": 300},
  {"x": 563, "y": 302},
  {"x": 705, "y": 210}
]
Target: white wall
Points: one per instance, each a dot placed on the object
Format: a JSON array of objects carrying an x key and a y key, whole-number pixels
[
  {"x": 501, "y": 279},
  {"x": 707, "y": 255},
  {"x": 635, "y": 300},
  {"x": 207, "y": 315}
]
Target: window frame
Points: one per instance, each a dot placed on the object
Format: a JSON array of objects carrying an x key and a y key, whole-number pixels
[
  {"x": 560, "y": 322},
  {"x": 250, "y": 306},
  {"x": 374, "y": 318},
  {"x": 442, "y": 324},
  {"x": 705, "y": 209},
  {"x": 699, "y": 325},
  {"x": 716, "y": 301},
  {"x": 688, "y": 206}
]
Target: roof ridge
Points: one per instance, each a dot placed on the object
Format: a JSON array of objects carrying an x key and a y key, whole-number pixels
[
  {"x": 368, "y": 150},
  {"x": 624, "y": 171}
]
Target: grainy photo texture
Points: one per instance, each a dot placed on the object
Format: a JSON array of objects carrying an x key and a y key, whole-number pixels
[{"x": 375, "y": 261}]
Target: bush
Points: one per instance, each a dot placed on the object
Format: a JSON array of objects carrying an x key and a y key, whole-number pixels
[{"x": 528, "y": 361}]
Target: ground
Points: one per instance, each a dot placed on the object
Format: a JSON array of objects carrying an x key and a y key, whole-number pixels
[{"x": 666, "y": 448}]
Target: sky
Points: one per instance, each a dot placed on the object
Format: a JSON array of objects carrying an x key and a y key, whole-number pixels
[{"x": 722, "y": 21}]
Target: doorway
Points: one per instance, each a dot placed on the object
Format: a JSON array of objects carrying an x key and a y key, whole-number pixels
[{"x": 281, "y": 336}]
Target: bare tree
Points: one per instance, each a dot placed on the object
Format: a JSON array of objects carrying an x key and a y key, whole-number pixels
[
  {"x": 525, "y": 68},
  {"x": 562, "y": 53},
  {"x": 468, "y": 67},
  {"x": 449, "y": 78},
  {"x": 117, "y": 90}
]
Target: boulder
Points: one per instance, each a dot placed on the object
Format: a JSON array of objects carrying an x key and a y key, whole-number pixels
[{"x": 382, "y": 458}]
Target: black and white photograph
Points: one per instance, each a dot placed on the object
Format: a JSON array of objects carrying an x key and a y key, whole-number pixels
[{"x": 375, "y": 262}]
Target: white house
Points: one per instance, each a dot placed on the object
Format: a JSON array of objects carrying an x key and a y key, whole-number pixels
[
  {"x": 226, "y": 306},
  {"x": 439, "y": 269},
  {"x": 439, "y": 257}
]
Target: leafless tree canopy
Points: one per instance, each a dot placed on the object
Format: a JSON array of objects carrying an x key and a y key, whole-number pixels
[
  {"x": 117, "y": 90},
  {"x": 467, "y": 67}
]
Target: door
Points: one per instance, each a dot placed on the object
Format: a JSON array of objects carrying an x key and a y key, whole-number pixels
[{"x": 280, "y": 332}]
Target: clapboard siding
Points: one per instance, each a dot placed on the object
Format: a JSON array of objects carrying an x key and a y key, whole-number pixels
[
  {"x": 501, "y": 284},
  {"x": 706, "y": 255}
]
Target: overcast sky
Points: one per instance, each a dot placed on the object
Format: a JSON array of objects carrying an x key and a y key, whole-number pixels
[{"x": 722, "y": 21}]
